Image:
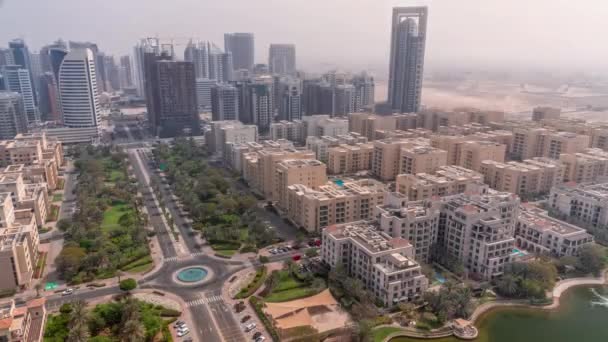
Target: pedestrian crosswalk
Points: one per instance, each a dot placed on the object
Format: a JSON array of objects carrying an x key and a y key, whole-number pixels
[
  {"x": 191, "y": 255},
  {"x": 203, "y": 300},
  {"x": 174, "y": 258}
]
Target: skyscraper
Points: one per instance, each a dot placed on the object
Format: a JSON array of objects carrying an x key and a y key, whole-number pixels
[
  {"x": 241, "y": 45},
  {"x": 221, "y": 66},
  {"x": 289, "y": 98},
  {"x": 125, "y": 63},
  {"x": 261, "y": 105},
  {"x": 17, "y": 79},
  {"x": 21, "y": 57},
  {"x": 49, "y": 98},
  {"x": 170, "y": 96},
  {"x": 147, "y": 45},
  {"x": 78, "y": 90},
  {"x": 98, "y": 58},
  {"x": 408, "y": 40},
  {"x": 12, "y": 116},
  {"x": 364, "y": 92},
  {"x": 203, "y": 93},
  {"x": 45, "y": 54},
  {"x": 6, "y": 57},
  {"x": 282, "y": 59},
  {"x": 199, "y": 55},
  {"x": 224, "y": 102}
]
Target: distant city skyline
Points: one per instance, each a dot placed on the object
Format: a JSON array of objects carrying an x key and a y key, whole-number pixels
[{"x": 467, "y": 33}]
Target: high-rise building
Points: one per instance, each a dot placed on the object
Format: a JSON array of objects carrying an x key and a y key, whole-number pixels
[
  {"x": 49, "y": 98},
  {"x": 171, "y": 96},
  {"x": 289, "y": 98},
  {"x": 203, "y": 93},
  {"x": 241, "y": 45},
  {"x": 45, "y": 54},
  {"x": 147, "y": 45},
  {"x": 22, "y": 58},
  {"x": 199, "y": 55},
  {"x": 408, "y": 40},
  {"x": 224, "y": 102},
  {"x": 98, "y": 58},
  {"x": 13, "y": 119},
  {"x": 112, "y": 73},
  {"x": 261, "y": 105},
  {"x": 125, "y": 63},
  {"x": 364, "y": 92},
  {"x": 282, "y": 59},
  {"x": 6, "y": 57},
  {"x": 221, "y": 66},
  {"x": 18, "y": 80},
  {"x": 78, "y": 90}
]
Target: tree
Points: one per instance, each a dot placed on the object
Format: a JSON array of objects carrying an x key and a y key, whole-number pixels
[
  {"x": 592, "y": 259},
  {"x": 69, "y": 260},
  {"x": 318, "y": 284},
  {"x": 79, "y": 330},
  {"x": 132, "y": 331},
  {"x": 38, "y": 287},
  {"x": 127, "y": 284},
  {"x": 119, "y": 274},
  {"x": 311, "y": 253},
  {"x": 507, "y": 285},
  {"x": 363, "y": 331}
]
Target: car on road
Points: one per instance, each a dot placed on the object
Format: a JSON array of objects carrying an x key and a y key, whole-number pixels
[
  {"x": 257, "y": 335},
  {"x": 250, "y": 327},
  {"x": 189, "y": 339},
  {"x": 260, "y": 339},
  {"x": 67, "y": 292},
  {"x": 184, "y": 332},
  {"x": 245, "y": 318}
]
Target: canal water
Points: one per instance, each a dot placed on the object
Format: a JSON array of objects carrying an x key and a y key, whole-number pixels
[{"x": 581, "y": 317}]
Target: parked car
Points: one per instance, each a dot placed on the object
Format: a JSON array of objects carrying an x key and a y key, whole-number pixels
[
  {"x": 250, "y": 327},
  {"x": 239, "y": 307},
  {"x": 260, "y": 339},
  {"x": 257, "y": 335},
  {"x": 245, "y": 318},
  {"x": 296, "y": 257},
  {"x": 179, "y": 325},
  {"x": 184, "y": 332}
]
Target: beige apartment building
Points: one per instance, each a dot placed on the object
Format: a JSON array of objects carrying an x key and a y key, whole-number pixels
[
  {"x": 478, "y": 229},
  {"x": 539, "y": 233},
  {"x": 585, "y": 167},
  {"x": 348, "y": 159},
  {"x": 259, "y": 167},
  {"x": 321, "y": 145},
  {"x": 451, "y": 144},
  {"x": 23, "y": 322},
  {"x": 556, "y": 143},
  {"x": 289, "y": 130},
  {"x": 39, "y": 172},
  {"x": 333, "y": 203},
  {"x": 529, "y": 177},
  {"x": 599, "y": 138},
  {"x": 234, "y": 154},
  {"x": 27, "y": 196},
  {"x": 403, "y": 134},
  {"x": 447, "y": 180},
  {"x": 585, "y": 204},
  {"x": 542, "y": 142},
  {"x": 229, "y": 131},
  {"x": 421, "y": 159},
  {"x": 497, "y": 136},
  {"x": 385, "y": 265},
  {"x": 434, "y": 118},
  {"x": 324, "y": 125},
  {"x": 308, "y": 172},
  {"x": 18, "y": 245},
  {"x": 386, "y": 161},
  {"x": 527, "y": 142},
  {"x": 30, "y": 149},
  {"x": 472, "y": 153},
  {"x": 466, "y": 129},
  {"x": 414, "y": 221},
  {"x": 369, "y": 125}
]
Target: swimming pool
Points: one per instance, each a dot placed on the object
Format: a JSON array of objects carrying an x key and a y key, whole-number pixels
[
  {"x": 519, "y": 252},
  {"x": 339, "y": 182}
]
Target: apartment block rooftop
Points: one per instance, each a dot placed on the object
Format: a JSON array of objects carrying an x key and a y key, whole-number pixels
[
  {"x": 367, "y": 236},
  {"x": 540, "y": 219}
]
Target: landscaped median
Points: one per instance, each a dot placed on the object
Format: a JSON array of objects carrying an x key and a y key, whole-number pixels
[{"x": 254, "y": 285}]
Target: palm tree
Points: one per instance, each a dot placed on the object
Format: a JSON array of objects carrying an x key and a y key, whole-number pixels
[
  {"x": 130, "y": 311},
  {"x": 508, "y": 285},
  {"x": 79, "y": 330},
  {"x": 132, "y": 331},
  {"x": 38, "y": 287},
  {"x": 119, "y": 274}
]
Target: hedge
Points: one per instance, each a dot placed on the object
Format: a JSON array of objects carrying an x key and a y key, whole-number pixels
[
  {"x": 166, "y": 312},
  {"x": 260, "y": 276},
  {"x": 257, "y": 304}
]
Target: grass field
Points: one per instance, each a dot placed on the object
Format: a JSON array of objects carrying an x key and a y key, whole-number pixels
[
  {"x": 289, "y": 288},
  {"x": 380, "y": 334},
  {"x": 113, "y": 214},
  {"x": 226, "y": 248},
  {"x": 57, "y": 197}
]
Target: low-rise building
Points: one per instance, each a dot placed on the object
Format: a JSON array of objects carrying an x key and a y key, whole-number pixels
[
  {"x": 386, "y": 161},
  {"x": 324, "y": 125},
  {"x": 289, "y": 130},
  {"x": 321, "y": 145},
  {"x": 478, "y": 230},
  {"x": 421, "y": 159},
  {"x": 447, "y": 180},
  {"x": 385, "y": 265},
  {"x": 585, "y": 167},
  {"x": 348, "y": 159},
  {"x": 308, "y": 172},
  {"x": 224, "y": 132},
  {"x": 541, "y": 113},
  {"x": 24, "y": 322},
  {"x": 585, "y": 204},
  {"x": 538, "y": 233},
  {"x": 527, "y": 178},
  {"x": 472, "y": 153},
  {"x": 414, "y": 221},
  {"x": 33, "y": 196},
  {"x": 333, "y": 203}
]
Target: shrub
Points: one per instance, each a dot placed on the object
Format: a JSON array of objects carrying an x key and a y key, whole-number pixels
[
  {"x": 127, "y": 284},
  {"x": 264, "y": 259},
  {"x": 255, "y": 284},
  {"x": 257, "y": 304},
  {"x": 166, "y": 312}
]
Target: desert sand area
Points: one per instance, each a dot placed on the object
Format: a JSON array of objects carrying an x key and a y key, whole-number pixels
[{"x": 515, "y": 99}]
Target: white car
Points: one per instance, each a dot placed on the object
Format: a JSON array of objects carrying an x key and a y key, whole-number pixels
[
  {"x": 260, "y": 339},
  {"x": 67, "y": 292},
  {"x": 250, "y": 327},
  {"x": 184, "y": 332}
]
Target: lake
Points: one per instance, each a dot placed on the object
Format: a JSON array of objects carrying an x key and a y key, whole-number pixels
[{"x": 581, "y": 317}]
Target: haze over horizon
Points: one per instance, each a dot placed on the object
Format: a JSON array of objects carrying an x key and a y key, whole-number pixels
[{"x": 543, "y": 34}]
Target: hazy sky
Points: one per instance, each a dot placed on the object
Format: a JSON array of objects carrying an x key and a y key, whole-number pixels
[{"x": 351, "y": 33}]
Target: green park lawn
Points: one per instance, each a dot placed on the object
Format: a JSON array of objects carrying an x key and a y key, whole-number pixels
[
  {"x": 112, "y": 215},
  {"x": 288, "y": 289},
  {"x": 226, "y": 249},
  {"x": 57, "y": 197},
  {"x": 380, "y": 334}
]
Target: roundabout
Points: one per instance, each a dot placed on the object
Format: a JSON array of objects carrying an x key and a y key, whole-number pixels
[{"x": 193, "y": 275}]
